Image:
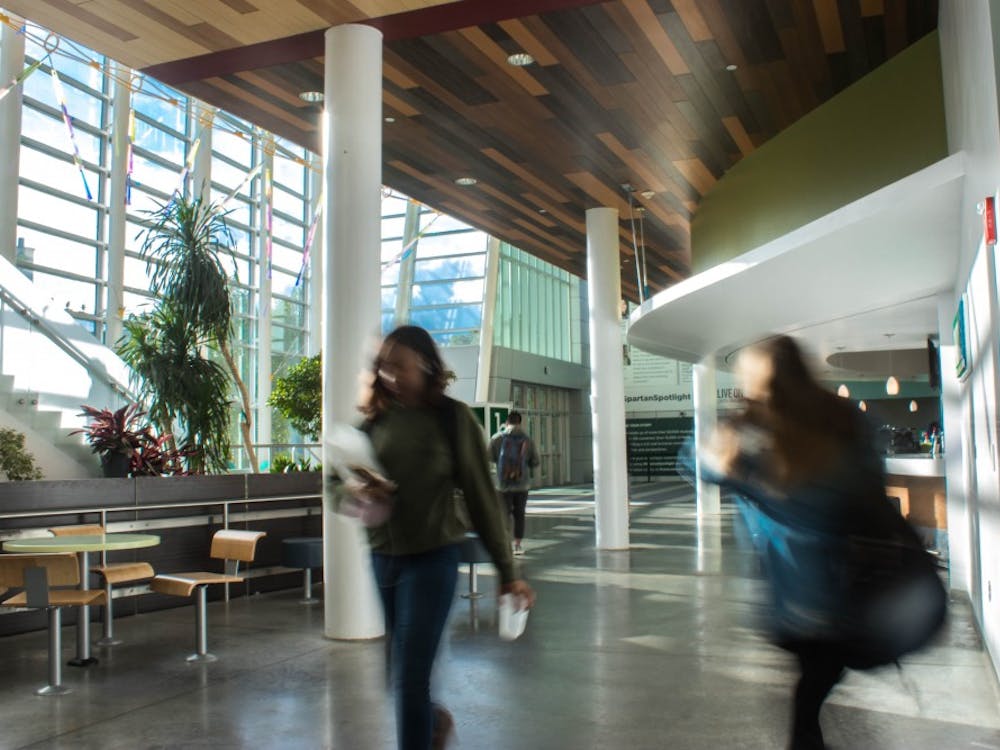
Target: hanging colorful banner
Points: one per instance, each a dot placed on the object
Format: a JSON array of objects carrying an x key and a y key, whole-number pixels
[
  {"x": 129, "y": 162},
  {"x": 310, "y": 236},
  {"x": 21, "y": 77},
  {"x": 269, "y": 217},
  {"x": 246, "y": 181},
  {"x": 188, "y": 166},
  {"x": 61, "y": 98},
  {"x": 408, "y": 248}
]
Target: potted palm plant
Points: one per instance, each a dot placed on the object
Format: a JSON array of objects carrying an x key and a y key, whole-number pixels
[{"x": 184, "y": 248}]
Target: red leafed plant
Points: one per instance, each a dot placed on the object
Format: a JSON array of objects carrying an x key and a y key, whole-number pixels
[{"x": 127, "y": 446}]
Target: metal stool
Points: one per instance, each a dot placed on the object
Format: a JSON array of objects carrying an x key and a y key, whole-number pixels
[
  {"x": 472, "y": 552},
  {"x": 304, "y": 552}
]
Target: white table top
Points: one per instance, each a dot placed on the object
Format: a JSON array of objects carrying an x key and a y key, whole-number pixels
[{"x": 82, "y": 543}]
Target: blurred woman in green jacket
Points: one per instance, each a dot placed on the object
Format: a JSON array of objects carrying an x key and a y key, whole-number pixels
[{"x": 429, "y": 446}]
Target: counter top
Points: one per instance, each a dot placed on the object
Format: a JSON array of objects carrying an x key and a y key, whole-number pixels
[{"x": 916, "y": 465}]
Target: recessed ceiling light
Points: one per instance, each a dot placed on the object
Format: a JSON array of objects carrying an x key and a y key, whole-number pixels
[
  {"x": 313, "y": 97},
  {"x": 732, "y": 67},
  {"x": 647, "y": 194},
  {"x": 466, "y": 181},
  {"x": 542, "y": 211},
  {"x": 520, "y": 59},
  {"x": 390, "y": 119}
]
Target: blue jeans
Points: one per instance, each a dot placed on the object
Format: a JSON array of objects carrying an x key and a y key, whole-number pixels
[{"x": 417, "y": 591}]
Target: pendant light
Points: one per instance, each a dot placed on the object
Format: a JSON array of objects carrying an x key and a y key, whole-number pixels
[
  {"x": 913, "y": 405},
  {"x": 891, "y": 385},
  {"x": 863, "y": 406},
  {"x": 844, "y": 391}
]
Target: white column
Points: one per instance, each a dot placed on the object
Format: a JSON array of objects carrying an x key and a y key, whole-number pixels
[
  {"x": 489, "y": 313},
  {"x": 316, "y": 267},
  {"x": 11, "y": 65},
  {"x": 264, "y": 328},
  {"x": 352, "y": 155},
  {"x": 201, "y": 170},
  {"x": 705, "y": 417},
  {"x": 607, "y": 387},
  {"x": 121, "y": 104},
  {"x": 404, "y": 288}
]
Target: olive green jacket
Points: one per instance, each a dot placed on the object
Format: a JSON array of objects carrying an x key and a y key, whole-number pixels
[{"x": 427, "y": 513}]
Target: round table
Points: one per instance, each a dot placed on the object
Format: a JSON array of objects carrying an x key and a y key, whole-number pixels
[{"x": 83, "y": 545}]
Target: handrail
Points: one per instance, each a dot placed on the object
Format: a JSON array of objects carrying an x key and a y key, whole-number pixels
[{"x": 39, "y": 322}]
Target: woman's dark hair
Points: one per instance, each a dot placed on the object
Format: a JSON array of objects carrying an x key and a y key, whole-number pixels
[
  {"x": 419, "y": 341},
  {"x": 810, "y": 427}
]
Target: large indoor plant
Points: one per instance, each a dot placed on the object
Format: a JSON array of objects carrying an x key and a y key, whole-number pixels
[
  {"x": 15, "y": 462},
  {"x": 298, "y": 396},
  {"x": 184, "y": 247}
]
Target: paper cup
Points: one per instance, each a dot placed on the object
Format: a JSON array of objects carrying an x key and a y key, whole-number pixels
[{"x": 513, "y": 617}]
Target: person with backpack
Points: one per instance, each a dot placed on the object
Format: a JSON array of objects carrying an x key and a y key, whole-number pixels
[
  {"x": 429, "y": 446},
  {"x": 514, "y": 454},
  {"x": 851, "y": 585}
]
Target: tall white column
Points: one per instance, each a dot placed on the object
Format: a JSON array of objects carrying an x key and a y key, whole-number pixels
[
  {"x": 352, "y": 164},
  {"x": 11, "y": 65},
  {"x": 264, "y": 328},
  {"x": 489, "y": 313},
  {"x": 201, "y": 169},
  {"x": 607, "y": 386},
  {"x": 121, "y": 105},
  {"x": 706, "y": 404},
  {"x": 316, "y": 268},
  {"x": 407, "y": 264}
]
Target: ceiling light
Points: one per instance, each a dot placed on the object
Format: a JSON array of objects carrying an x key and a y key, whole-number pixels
[
  {"x": 520, "y": 59},
  {"x": 844, "y": 391},
  {"x": 732, "y": 67},
  {"x": 891, "y": 385},
  {"x": 913, "y": 405},
  {"x": 313, "y": 97},
  {"x": 647, "y": 194},
  {"x": 390, "y": 119},
  {"x": 542, "y": 211},
  {"x": 863, "y": 406},
  {"x": 466, "y": 181}
]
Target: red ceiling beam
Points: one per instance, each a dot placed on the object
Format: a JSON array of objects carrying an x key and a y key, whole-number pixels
[{"x": 407, "y": 25}]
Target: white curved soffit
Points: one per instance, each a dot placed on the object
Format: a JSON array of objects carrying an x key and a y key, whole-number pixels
[{"x": 893, "y": 246}]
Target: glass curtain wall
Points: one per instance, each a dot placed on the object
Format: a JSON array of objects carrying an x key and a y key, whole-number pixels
[{"x": 538, "y": 307}]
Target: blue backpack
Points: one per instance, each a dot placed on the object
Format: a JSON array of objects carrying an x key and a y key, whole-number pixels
[{"x": 513, "y": 462}]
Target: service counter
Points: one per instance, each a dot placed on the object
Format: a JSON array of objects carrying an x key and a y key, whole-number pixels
[{"x": 919, "y": 483}]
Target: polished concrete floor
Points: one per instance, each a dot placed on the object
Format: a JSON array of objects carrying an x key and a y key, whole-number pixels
[{"x": 656, "y": 647}]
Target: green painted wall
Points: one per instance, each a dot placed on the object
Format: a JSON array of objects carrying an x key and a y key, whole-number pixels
[{"x": 886, "y": 126}]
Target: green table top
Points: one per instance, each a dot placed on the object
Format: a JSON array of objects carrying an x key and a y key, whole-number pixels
[{"x": 82, "y": 543}]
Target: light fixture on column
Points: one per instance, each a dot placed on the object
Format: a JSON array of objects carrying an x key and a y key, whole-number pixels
[
  {"x": 891, "y": 385},
  {"x": 863, "y": 406},
  {"x": 913, "y": 405},
  {"x": 844, "y": 391}
]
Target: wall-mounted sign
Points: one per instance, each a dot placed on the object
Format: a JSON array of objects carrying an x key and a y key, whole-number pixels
[
  {"x": 958, "y": 327},
  {"x": 990, "y": 221}
]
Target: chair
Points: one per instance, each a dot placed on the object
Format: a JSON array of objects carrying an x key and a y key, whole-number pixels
[
  {"x": 110, "y": 573},
  {"x": 232, "y": 546},
  {"x": 472, "y": 552},
  {"x": 37, "y": 574},
  {"x": 304, "y": 552}
]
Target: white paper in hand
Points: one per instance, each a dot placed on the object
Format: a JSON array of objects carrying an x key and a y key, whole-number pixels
[
  {"x": 349, "y": 449},
  {"x": 513, "y": 617}
]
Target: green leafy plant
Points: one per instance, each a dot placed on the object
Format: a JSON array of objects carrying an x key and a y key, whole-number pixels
[
  {"x": 184, "y": 248},
  {"x": 17, "y": 463},
  {"x": 298, "y": 396},
  {"x": 285, "y": 464}
]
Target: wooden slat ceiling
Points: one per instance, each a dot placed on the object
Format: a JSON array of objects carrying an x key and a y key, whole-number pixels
[{"x": 627, "y": 92}]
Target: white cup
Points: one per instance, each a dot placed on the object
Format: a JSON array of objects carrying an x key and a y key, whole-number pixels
[{"x": 513, "y": 616}]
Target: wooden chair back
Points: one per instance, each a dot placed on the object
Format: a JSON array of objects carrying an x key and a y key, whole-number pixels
[
  {"x": 91, "y": 529},
  {"x": 62, "y": 568},
  {"x": 234, "y": 544}
]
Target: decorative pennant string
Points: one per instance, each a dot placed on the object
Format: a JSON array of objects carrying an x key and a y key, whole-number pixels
[
  {"x": 129, "y": 161},
  {"x": 408, "y": 248},
  {"x": 310, "y": 236},
  {"x": 22, "y": 76},
  {"x": 61, "y": 98},
  {"x": 269, "y": 218}
]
